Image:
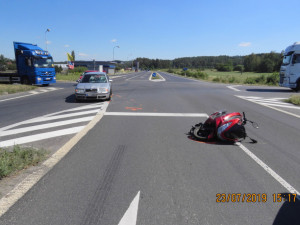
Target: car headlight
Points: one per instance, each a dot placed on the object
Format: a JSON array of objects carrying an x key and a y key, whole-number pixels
[
  {"x": 103, "y": 90},
  {"x": 79, "y": 91}
]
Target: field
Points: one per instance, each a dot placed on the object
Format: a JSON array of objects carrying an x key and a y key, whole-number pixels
[{"x": 233, "y": 77}]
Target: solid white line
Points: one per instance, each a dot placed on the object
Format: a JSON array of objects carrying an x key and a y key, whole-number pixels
[
  {"x": 38, "y": 137},
  {"x": 285, "y": 184},
  {"x": 44, "y": 126},
  {"x": 233, "y": 87},
  {"x": 280, "y": 110},
  {"x": 156, "y": 114},
  {"x": 130, "y": 215}
]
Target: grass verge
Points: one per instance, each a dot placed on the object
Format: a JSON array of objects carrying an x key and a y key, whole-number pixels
[
  {"x": 15, "y": 88},
  {"x": 295, "y": 99},
  {"x": 233, "y": 77},
  {"x": 68, "y": 77},
  {"x": 19, "y": 159}
]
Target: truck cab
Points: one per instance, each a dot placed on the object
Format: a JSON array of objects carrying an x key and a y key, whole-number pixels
[
  {"x": 34, "y": 65},
  {"x": 290, "y": 68}
]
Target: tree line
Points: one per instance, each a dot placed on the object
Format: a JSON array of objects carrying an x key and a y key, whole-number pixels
[{"x": 265, "y": 62}]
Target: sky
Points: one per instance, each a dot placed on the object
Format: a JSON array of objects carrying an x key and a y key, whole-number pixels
[{"x": 163, "y": 29}]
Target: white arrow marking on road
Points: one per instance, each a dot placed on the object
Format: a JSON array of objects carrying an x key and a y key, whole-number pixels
[{"x": 130, "y": 215}]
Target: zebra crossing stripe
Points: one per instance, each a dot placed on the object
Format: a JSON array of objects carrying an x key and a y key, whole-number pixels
[
  {"x": 44, "y": 126},
  {"x": 38, "y": 137}
]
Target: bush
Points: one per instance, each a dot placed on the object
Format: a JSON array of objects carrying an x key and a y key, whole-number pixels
[
  {"x": 3, "y": 67},
  {"x": 273, "y": 79},
  {"x": 295, "y": 99},
  {"x": 239, "y": 68},
  {"x": 12, "y": 66},
  {"x": 79, "y": 69},
  {"x": 170, "y": 71},
  {"x": 250, "y": 80},
  {"x": 232, "y": 79},
  {"x": 58, "y": 69},
  {"x": 224, "y": 67},
  {"x": 261, "y": 79}
]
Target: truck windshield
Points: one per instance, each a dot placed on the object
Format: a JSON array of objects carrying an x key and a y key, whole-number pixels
[
  {"x": 286, "y": 59},
  {"x": 43, "y": 62}
]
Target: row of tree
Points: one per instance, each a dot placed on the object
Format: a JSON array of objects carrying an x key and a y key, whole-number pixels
[{"x": 267, "y": 62}]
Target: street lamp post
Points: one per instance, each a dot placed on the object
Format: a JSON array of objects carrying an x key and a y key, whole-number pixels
[
  {"x": 114, "y": 51},
  {"x": 48, "y": 30}
]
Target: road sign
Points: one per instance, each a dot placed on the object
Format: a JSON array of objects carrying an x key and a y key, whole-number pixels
[
  {"x": 185, "y": 69},
  {"x": 153, "y": 74}
]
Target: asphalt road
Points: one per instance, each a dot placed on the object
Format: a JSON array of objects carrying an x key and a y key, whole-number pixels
[{"x": 149, "y": 161}]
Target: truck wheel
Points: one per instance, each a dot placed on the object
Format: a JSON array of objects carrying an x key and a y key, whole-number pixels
[
  {"x": 297, "y": 89},
  {"x": 45, "y": 85}
]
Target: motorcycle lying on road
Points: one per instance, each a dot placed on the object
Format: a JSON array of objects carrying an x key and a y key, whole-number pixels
[{"x": 224, "y": 126}]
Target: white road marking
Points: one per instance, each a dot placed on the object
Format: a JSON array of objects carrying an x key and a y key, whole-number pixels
[
  {"x": 33, "y": 92},
  {"x": 41, "y": 118},
  {"x": 233, "y": 87},
  {"x": 284, "y": 183},
  {"x": 269, "y": 105},
  {"x": 17, "y": 192},
  {"x": 133, "y": 77},
  {"x": 157, "y": 80},
  {"x": 44, "y": 126},
  {"x": 130, "y": 215},
  {"x": 40, "y": 91},
  {"x": 156, "y": 114},
  {"x": 38, "y": 137},
  {"x": 48, "y": 118}
]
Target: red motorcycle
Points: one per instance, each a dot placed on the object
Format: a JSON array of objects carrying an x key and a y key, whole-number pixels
[{"x": 225, "y": 126}]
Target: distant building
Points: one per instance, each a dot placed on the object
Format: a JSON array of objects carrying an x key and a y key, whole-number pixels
[{"x": 102, "y": 66}]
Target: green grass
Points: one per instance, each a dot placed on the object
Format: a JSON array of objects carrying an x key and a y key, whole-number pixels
[
  {"x": 295, "y": 99},
  {"x": 15, "y": 88},
  {"x": 68, "y": 77},
  {"x": 19, "y": 159},
  {"x": 233, "y": 77}
]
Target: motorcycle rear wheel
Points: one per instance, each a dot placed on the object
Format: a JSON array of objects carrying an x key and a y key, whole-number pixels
[{"x": 200, "y": 133}]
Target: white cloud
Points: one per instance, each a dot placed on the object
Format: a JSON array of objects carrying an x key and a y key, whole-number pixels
[
  {"x": 66, "y": 46},
  {"x": 113, "y": 40},
  {"x": 245, "y": 44},
  {"x": 48, "y": 42},
  {"x": 82, "y": 54}
]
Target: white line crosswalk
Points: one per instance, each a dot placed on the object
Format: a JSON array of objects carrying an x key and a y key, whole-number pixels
[
  {"x": 61, "y": 123},
  {"x": 269, "y": 101}
]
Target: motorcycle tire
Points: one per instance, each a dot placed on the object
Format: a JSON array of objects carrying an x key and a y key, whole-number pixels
[{"x": 199, "y": 133}]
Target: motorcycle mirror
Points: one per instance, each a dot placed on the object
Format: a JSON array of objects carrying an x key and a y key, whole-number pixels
[{"x": 255, "y": 125}]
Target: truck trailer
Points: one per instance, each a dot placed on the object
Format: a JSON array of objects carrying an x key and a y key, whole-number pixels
[
  {"x": 34, "y": 66},
  {"x": 290, "y": 68}
]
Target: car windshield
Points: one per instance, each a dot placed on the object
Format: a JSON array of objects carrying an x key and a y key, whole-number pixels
[
  {"x": 43, "y": 62},
  {"x": 94, "y": 78}
]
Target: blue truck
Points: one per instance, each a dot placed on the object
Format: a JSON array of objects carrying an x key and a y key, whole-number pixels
[{"x": 34, "y": 66}]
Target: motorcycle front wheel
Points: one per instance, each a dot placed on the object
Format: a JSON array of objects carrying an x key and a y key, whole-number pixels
[{"x": 199, "y": 132}]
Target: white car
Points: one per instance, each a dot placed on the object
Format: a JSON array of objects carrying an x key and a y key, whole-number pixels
[{"x": 94, "y": 85}]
